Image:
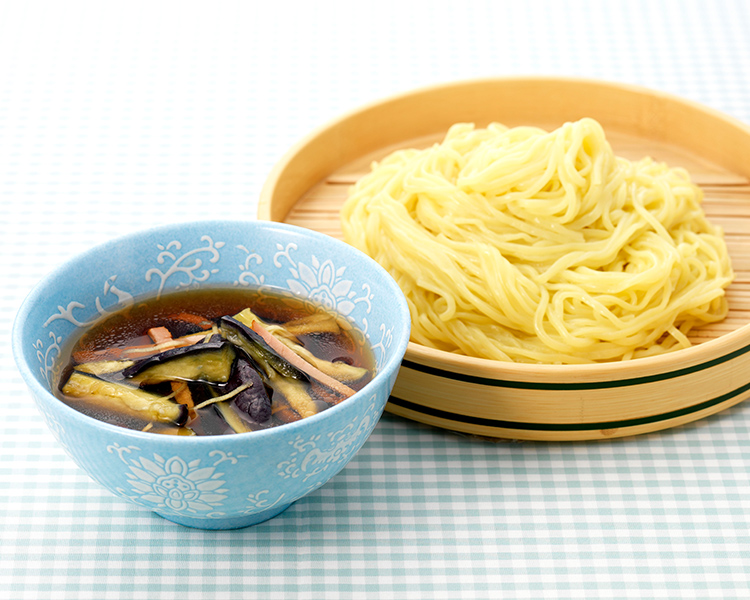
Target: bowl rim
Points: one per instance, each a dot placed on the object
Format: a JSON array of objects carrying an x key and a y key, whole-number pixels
[
  {"x": 390, "y": 367},
  {"x": 705, "y": 352}
]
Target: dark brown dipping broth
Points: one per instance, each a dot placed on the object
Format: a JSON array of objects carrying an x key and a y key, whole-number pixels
[{"x": 129, "y": 328}]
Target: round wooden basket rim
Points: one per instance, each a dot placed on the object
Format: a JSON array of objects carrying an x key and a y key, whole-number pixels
[{"x": 450, "y": 362}]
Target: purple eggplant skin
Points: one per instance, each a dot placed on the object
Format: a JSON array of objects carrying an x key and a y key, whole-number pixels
[
  {"x": 180, "y": 328},
  {"x": 253, "y": 401},
  {"x": 256, "y": 347},
  {"x": 215, "y": 343}
]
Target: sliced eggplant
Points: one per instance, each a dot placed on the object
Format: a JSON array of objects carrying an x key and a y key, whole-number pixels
[
  {"x": 222, "y": 410},
  {"x": 104, "y": 367},
  {"x": 125, "y": 397},
  {"x": 338, "y": 370},
  {"x": 253, "y": 401},
  {"x": 278, "y": 338},
  {"x": 248, "y": 317},
  {"x": 232, "y": 419},
  {"x": 185, "y": 324},
  {"x": 210, "y": 361},
  {"x": 245, "y": 338},
  {"x": 209, "y": 420},
  {"x": 320, "y": 322},
  {"x": 294, "y": 359},
  {"x": 296, "y": 395}
]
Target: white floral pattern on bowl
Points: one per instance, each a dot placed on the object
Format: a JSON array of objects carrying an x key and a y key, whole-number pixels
[
  {"x": 176, "y": 485},
  {"x": 318, "y": 283}
]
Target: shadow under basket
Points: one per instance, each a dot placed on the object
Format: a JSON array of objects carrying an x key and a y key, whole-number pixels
[{"x": 548, "y": 402}]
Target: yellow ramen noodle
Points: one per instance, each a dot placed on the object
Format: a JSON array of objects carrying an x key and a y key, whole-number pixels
[{"x": 523, "y": 245}]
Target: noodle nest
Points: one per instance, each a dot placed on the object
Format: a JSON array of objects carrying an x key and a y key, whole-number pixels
[{"x": 518, "y": 244}]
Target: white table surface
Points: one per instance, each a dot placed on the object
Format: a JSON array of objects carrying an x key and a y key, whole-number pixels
[{"x": 116, "y": 116}]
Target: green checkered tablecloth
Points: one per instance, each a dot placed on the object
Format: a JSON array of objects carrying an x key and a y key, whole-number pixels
[{"x": 115, "y": 116}]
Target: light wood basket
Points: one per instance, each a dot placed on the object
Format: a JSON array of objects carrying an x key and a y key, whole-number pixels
[{"x": 548, "y": 402}]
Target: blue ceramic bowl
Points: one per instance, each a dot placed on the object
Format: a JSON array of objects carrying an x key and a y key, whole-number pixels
[{"x": 216, "y": 482}]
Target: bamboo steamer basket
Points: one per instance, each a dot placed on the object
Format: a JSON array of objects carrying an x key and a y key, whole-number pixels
[{"x": 548, "y": 402}]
